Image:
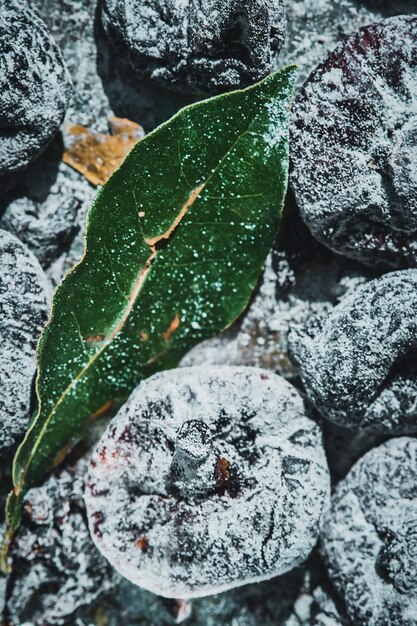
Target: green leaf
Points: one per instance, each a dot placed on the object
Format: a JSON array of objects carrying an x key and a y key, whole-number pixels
[{"x": 175, "y": 243}]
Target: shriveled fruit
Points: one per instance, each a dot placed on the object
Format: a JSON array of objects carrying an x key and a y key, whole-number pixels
[
  {"x": 24, "y": 296},
  {"x": 359, "y": 367},
  {"x": 355, "y": 146},
  {"x": 198, "y": 45},
  {"x": 34, "y": 86},
  {"x": 207, "y": 479},
  {"x": 369, "y": 540},
  {"x": 56, "y": 567}
]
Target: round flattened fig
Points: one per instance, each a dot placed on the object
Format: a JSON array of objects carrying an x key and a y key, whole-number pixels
[
  {"x": 359, "y": 367},
  {"x": 198, "y": 45},
  {"x": 34, "y": 86},
  {"x": 369, "y": 539},
  {"x": 207, "y": 479},
  {"x": 354, "y": 146},
  {"x": 24, "y": 296}
]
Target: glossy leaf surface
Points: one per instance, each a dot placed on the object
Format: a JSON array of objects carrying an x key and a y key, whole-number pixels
[{"x": 176, "y": 241}]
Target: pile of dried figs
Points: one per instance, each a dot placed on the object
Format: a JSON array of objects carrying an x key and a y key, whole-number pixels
[{"x": 271, "y": 478}]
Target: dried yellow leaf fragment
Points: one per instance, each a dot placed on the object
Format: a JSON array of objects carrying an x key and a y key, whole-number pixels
[{"x": 98, "y": 155}]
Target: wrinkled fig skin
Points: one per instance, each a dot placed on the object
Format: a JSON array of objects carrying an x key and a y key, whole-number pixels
[
  {"x": 369, "y": 536},
  {"x": 207, "y": 479},
  {"x": 24, "y": 298},
  {"x": 359, "y": 368},
  {"x": 354, "y": 146},
  {"x": 201, "y": 46},
  {"x": 56, "y": 567},
  {"x": 34, "y": 86}
]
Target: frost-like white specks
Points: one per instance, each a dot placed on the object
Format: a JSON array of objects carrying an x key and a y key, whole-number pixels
[
  {"x": 354, "y": 137},
  {"x": 56, "y": 567},
  {"x": 34, "y": 86},
  {"x": 198, "y": 45},
  {"x": 369, "y": 539},
  {"x": 359, "y": 368},
  {"x": 24, "y": 296},
  {"x": 208, "y": 478}
]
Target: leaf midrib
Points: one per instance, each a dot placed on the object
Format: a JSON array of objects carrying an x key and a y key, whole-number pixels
[{"x": 125, "y": 316}]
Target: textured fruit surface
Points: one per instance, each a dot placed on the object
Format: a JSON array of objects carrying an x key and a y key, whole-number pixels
[
  {"x": 355, "y": 144},
  {"x": 24, "y": 299},
  {"x": 34, "y": 86},
  {"x": 208, "y": 478},
  {"x": 369, "y": 540},
  {"x": 202, "y": 46},
  {"x": 359, "y": 367}
]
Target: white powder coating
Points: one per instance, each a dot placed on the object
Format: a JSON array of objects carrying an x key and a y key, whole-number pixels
[
  {"x": 34, "y": 86},
  {"x": 316, "y": 26},
  {"x": 24, "y": 296},
  {"x": 43, "y": 209},
  {"x": 73, "y": 26},
  {"x": 200, "y": 46},
  {"x": 102, "y": 84},
  {"x": 56, "y": 567},
  {"x": 354, "y": 146},
  {"x": 188, "y": 526},
  {"x": 359, "y": 368},
  {"x": 68, "y": 259},
  {"x": 369, "y": 540}
]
